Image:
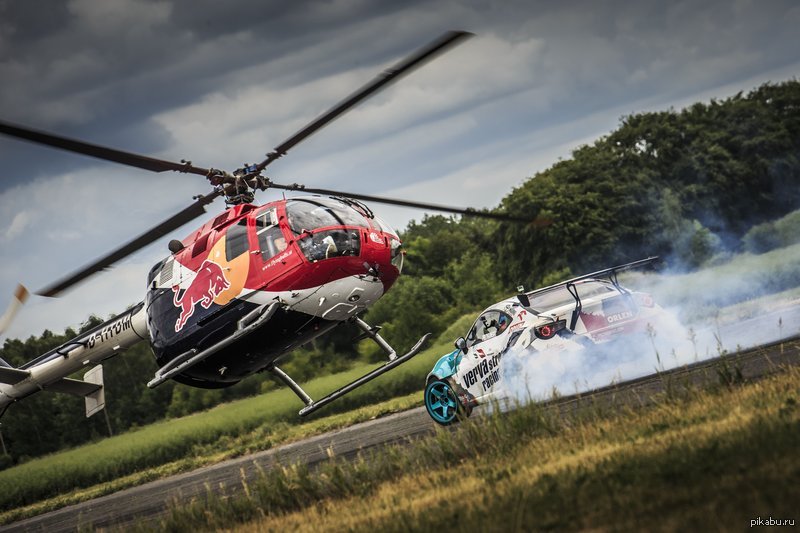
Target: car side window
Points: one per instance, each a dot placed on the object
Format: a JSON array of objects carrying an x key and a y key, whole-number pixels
[{"x": 489, "y": 325}]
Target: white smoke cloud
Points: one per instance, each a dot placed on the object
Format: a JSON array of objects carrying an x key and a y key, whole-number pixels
[{"x": 748, "y": 302}]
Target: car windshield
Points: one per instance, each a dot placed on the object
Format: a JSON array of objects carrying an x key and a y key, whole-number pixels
[
  {"x": 490, "y": 324},
  {"x": 560, "y": 296},
  {"x": 307, "y": 214}
]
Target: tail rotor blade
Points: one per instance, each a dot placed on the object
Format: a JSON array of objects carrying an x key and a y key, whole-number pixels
[{"x": 20, "y": 296}]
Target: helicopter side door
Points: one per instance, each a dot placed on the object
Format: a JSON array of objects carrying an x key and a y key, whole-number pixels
[
  {"x": 272, "y": 255},
  {"x": 270, "y": 238}
]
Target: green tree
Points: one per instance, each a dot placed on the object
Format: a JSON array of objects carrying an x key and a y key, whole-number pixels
[{"x": 681, "y": 185}]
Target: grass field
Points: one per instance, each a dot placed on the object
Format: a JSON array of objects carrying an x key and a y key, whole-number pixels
[
  {"x": 225, "y": 431},
  {"x": 700, "y": 461}
]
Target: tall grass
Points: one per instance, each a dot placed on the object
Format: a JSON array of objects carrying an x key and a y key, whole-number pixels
[
  {"x": 203, "y": 434},
  {"x": 700, "y": 460}
]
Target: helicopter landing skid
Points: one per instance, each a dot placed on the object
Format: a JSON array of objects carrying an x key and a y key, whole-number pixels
[{"x": 312, "y": 405}]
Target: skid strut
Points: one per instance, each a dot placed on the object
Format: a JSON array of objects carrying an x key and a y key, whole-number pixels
[{"x": 370, "y": 332}]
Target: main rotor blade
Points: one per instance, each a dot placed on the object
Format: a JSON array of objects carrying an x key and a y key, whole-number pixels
[
  {"x": 95, "y": 150},
  {"x": 385, "y": 78},
  {"x": 468, "y": 211},
  {"x": 172, "y": 223}
]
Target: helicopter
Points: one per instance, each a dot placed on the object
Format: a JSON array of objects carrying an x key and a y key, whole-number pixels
[{"x": 248, "y": 286}]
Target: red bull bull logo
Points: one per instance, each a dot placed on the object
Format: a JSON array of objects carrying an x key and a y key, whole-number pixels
[{"x": 209, "y": 282}]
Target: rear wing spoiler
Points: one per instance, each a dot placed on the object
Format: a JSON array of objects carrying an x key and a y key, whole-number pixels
[{"x": 608, "y": 273}]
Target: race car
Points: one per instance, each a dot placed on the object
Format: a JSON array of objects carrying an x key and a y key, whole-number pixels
[{"x": 576, "y": 314}]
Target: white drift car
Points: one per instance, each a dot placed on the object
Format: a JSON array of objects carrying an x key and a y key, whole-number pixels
[{"x": 574, "y": 314}]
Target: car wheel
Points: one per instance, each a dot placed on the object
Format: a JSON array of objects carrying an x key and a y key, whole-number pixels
[{"x": 442, "y": 403}]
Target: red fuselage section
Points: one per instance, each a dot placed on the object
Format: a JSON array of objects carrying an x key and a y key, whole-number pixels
[{"x": 323, "y": 259}]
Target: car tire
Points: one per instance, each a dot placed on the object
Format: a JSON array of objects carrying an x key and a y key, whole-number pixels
[{"x": 442, "y": 403}]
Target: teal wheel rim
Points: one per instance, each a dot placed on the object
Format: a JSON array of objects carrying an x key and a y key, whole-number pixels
[{"x": 441, "y": 402}]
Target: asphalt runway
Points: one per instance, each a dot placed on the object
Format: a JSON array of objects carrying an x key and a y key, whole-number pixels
[{"x": 148, "y": 503}]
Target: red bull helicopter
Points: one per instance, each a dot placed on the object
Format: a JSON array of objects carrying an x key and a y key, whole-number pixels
[{"x": 248, "y": 286}]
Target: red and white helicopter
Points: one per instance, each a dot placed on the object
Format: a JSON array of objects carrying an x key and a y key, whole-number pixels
[{"x": 248, "y": 286}]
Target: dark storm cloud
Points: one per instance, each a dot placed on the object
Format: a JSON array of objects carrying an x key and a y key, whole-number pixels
[
  {"x": 100, "y": 71},
  {"x": 84, "y": 48}
]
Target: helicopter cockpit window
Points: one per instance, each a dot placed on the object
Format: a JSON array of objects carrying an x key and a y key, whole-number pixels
[
  {"x": 307, "y": 214},
  {"x": 331, "y": 243},
  {"x": 489, "y": 325},
  {"x": 264, "y": 220},
  {"x": 236, "y": 240},
  {"x": 271, "y": 240}
]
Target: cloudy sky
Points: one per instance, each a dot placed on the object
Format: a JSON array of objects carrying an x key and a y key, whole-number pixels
[{"x": 221, "y": 83}]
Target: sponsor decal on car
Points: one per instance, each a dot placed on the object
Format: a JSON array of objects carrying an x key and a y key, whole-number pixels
[
  {"x": 486, "y": 372},
  {"x": 516, "y": 326},
  {"x": 617, "y": 317}
]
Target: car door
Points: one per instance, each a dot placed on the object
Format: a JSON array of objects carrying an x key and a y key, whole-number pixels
[{"x": 479, "y": 371}]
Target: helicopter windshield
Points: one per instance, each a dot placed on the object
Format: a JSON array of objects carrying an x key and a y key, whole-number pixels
[
  {"x": 331, "y": 243},
  {"x": 384, "y": 227},
  {"x": 307, "y": 214}
]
